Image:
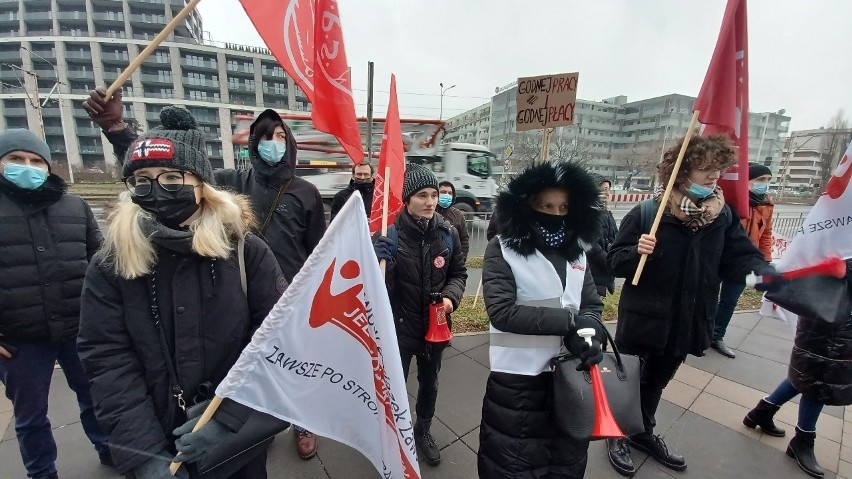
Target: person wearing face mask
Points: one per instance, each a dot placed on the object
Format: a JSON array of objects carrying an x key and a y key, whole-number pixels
[
  {"x": 422, "y": 268},
  {"x": 758, "y": 227},
  {"x": 289, "y": 210},
  {"x": 670, "y": 313},
  {"x": 47, "y": 239},
  {"x": 446, "y": 198},
  {"x": 362, "y": 180},
  {"x": 538, "y": 292},
  {"x": 168, "y": 283},
  {"x": 604, "y": 280}
]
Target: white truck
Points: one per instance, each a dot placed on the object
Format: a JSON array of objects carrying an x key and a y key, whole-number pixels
[{"x": 471, "y": 168}]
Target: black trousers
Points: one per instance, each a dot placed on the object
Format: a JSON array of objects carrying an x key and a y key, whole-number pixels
[
  {"x": 428, "y": 367},
  {"x": 657, "y": 371}
]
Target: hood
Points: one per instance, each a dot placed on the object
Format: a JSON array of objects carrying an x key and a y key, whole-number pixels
[
  {"x": 515, "y": 221},
  {"x": 273, "y": 175},
  {"x": 453, "y": 187}
]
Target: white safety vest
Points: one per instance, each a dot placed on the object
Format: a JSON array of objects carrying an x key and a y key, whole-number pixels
[{"x": 538, "y": 284}]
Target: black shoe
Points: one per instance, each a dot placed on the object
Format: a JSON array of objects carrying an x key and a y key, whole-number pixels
[
  {"x": 619, "y": 456},
  {"x": 801, "y": 449},
  {"x": 106, "y": 458},
  {"x": 656, "y": 447},
  {"x": 427, "y": 449},
  {"x": 724, "y": 350},
  {"x": 762, "y": 415}
]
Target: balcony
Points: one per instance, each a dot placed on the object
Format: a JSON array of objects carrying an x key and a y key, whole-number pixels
[
  {"x": 53, "y": 130},
  {"x": 6, "y": 17},
  {"x": 199, "y": 64},
  {"x": 80, "y": 75},
  {"x": 275, "y": 91},
  {"x": 81, "y": 16},
  {"x": 159, "y": 79},
  {"x": 158, "y": 59},
  {"x": 10, "y": 56},
  {"x": 158, "y": 95},
  {"x": 108, "y": 17},
  {"x": 199, "y": 82},
  {"x": 241, "y": 88},
  {"x": 38, "y": 16},
  {"x": 152, "y": 116},
  {"x": 92, "y": 150},
  {"x": 242, "y": 70},
  {"x": 148, "y": 18},
  {"x": 39, "y": 31},
  {"x": 110, "y": 34},
  {"x": 156, "y": 2},
  {"x": 15, "y": 111},
  {"x": 121, "y": 57}
]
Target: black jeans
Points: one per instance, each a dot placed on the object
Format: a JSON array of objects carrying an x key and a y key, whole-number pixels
[
  {"x": 657, "y": 371},
  {"x": 428, "y": 367}
]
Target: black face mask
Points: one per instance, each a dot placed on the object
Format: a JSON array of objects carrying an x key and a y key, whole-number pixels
[
  {"x": 551, "y": 228},
  {"x": 171, "y": 208},
  {"x": 362, "y": 185}
]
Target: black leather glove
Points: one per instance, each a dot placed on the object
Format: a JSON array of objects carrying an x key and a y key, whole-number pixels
[
  {"x": 157, "y": 467},
  {"x": 589, "y": 355},
  {"x": 385, "y": 249},
  {"x": 108, "y": 114},
  {"x": 585, "y": 321}
]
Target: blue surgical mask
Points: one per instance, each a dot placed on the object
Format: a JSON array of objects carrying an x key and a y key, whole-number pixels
[
  {"x": 24, "y": 176},
  {"x": 700, "y": 191},
  {"x": 444, "y": 201},
  {"x": 271, "y": 151},
  {"x": 760, "y": 188}
]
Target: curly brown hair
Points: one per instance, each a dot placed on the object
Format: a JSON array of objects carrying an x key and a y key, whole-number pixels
[{"x": 715, "y": 151}]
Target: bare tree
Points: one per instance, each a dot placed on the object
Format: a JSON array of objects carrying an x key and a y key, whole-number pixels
[
  {"x": 565, "y": 145},
  {"x": 838, "y": 134},
  {"x": 639, "y": 160}
]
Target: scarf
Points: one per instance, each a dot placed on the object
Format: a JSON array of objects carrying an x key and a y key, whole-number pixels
[
  {"x": 695, "y": 215},
  {"x": 755, "y": 200}
]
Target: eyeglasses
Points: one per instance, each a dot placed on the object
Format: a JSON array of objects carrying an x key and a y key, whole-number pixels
[{"x": 168, "y": 180}]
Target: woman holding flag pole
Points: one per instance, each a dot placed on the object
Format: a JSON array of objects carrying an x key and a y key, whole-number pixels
[
  {"x": 669, "y": 313},
  {"x": 161, "y": 318}
]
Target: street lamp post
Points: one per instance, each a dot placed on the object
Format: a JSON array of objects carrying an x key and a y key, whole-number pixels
[
  {"x": 763, "y": 134},
  {"x": 443, "y": 90}
]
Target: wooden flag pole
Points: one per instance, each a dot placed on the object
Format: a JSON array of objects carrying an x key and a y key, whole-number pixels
[
  {"x": 204, "y": 419},
  {"x": 664, "y": 200},
  {"x": 385, "y": 192},
  {"x": 137, "y": 62},
  {"x": 545, "y": 144}
]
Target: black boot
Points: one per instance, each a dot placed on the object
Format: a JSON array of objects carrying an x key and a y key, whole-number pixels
[
  {"x": 620, "y": 458},
  {"x": 762, "y": 415},
  {"x": 801, "y": 448},
  {"x": 656, "y": 447},
  {"x": 427, "y": 449}
]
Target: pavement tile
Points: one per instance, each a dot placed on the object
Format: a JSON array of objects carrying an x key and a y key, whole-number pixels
[
  {"x": 6, "y": 419},
  {"x": 711, "y": 362},
  {"x": 457, "y": 462},
  {"x": 769, "y": 347},
  {"x": 745, "y": 320},
  {"x": 734, "y": 336},
  {"x": 827, "y": 453},
  {"x": 846, "y": 439},
  {"x": 680, "y": 393},
  {"x": 480, "y": 355},
  {"x": 282, "y": 457},
  {"x": 773, "y": 327},
  {"x": 844, "y": 469},
  {"x": 471, "y": 440},
  {"x": 754, "y": 371},
  {"x": 462, "y": 387},
  {"x": 734, "y": 392},
  {"x": 845, "y": 453},
  {"x": 466, "y": 342},
  {"x": 723, "y": 412},
  {"x": 693, "y": 376}
]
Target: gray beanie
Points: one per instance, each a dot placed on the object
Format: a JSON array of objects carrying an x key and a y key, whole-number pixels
[
  {"x": 178, "y": 143},
  {"x": 417, "y": 177},
  {"x": 19, "y": 139}
]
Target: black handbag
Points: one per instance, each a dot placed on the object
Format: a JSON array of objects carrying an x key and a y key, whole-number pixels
[
  {"x": 237, "y": 449},
  {"x": 573, "y": 400}
]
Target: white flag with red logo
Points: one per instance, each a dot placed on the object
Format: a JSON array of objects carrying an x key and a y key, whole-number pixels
[
  {"x": 326, "y": 357},
  {"x": 825, "y": 233}
]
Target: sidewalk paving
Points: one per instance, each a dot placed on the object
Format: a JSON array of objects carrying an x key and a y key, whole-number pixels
[{"x": 700, "y": 416}]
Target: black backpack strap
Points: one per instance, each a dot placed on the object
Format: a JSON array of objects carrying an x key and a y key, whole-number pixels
[{"x": 647, "y": 211}]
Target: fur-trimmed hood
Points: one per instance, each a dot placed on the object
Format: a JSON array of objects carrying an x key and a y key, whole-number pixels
[{"x": 516, "y": 224}]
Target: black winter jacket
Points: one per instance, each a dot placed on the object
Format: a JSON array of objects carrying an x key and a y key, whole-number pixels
[
  {"x": 47, "y": 238},
  {"x": 207, "y": 324},
  {"x": 342, "y": 196},
  {"x": 604, "y": 280},
  {"x": 821, "y": 362},
  {"x": 422, "y": 266},
  {"x": 672, "y": 309},
  {"x": 518, "y": 438},
  {"x": 298, "y": 222},
  {"x": 456, "y": 218}
]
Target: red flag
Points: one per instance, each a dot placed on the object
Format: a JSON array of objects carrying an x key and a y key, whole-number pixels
[
  {"x": 723, "y": 100},
  {"x": 391, "y": 155},
  {"x": 306, "y": 38}
]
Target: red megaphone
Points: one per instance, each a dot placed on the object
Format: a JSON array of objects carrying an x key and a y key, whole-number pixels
[
  {"x": 439, "y": 331},
  {"x": 605, "y": 425}
]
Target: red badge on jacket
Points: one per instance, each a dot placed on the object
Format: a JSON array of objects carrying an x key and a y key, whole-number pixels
[{"x": 439, "y": 262}]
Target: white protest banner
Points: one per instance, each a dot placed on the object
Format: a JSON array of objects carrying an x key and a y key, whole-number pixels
[
  {"x": 825, "y": 233},
  {"x": 326, "y": 357},
  {"x": 546, "y": 101}
]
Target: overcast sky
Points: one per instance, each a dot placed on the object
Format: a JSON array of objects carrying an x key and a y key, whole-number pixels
[{"x": 799, "y": 50}]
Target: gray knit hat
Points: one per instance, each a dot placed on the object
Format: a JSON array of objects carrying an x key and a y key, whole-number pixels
[
  {"x": 417, "y": 177},
  {"x": 178, "y": 143},
  {"x": 19, "y": 139}
]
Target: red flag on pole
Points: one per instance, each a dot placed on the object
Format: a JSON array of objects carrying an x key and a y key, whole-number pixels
[
  {"x": 306, "y": 37},
  {"x": 723, "y": 100},
  {"x": 392, "y": 155}
]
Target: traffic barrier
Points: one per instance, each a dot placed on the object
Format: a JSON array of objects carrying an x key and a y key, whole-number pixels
[{"x": 629, "y": 197}]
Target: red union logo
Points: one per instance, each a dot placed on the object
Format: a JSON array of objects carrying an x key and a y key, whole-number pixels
[{"x": 299, "y": 40}]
